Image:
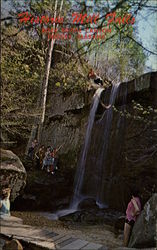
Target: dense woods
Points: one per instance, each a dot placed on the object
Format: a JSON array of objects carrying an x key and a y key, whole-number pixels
[{"x": 25, "y": 53}]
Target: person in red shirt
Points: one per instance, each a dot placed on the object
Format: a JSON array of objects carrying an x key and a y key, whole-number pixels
[
  {"x": 97, "y": 79},
  {"x": 132, "y": 212}
]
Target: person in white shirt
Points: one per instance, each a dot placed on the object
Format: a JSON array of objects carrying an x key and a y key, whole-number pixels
[{"x": 5, "y": 202}]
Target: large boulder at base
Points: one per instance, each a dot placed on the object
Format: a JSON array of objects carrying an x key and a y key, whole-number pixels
[
  {"x": 144, "y": 233},
  {"x": 88, "y": 203},
  {"x": 12, "y": 172}
]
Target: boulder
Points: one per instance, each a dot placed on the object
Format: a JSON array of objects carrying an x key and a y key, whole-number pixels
[
  {"x": 144, "y": 231},
  {"x": 12, "y": 172},
  {"x": 13, "y": 245},
  {"x": 88, "y": 203},
  {"x": 2, "y": 242}
]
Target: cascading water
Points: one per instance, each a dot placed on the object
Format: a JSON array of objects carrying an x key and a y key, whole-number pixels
[
  {"x": 81, "y": 167},
  {"x": 101, "y": 157},
  {"x": 97, "y": 159},
  {"x": 94, "y": 167},
  {"x": 115, "y": 149},
  {"x": 88, "y": 161},
  {"x": 79, "y": 177}
]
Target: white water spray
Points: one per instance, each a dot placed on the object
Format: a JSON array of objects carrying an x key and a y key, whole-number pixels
[{"x": 81, "y": 167}]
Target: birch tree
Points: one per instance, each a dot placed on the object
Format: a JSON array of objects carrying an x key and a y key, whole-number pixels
[
  {"x": 46, "y": 78},
  {"x": 47, "y": 72},
  {"x": 38, "y": 124}
]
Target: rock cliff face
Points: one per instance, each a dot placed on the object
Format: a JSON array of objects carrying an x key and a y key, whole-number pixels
[
  {"x": 66, "y": 120},
  {"x": 132, "y": 152},
  {"x": 144, "y": 231},
  {"x": 12, "y": 172}
]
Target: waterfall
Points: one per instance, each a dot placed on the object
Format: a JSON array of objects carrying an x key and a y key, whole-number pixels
[
  {"x": 79, "y": 177},
  {"x": 88, "y": 161},
  {"x": 117, "y": 146},
  {"x": 103, "y": 149}
]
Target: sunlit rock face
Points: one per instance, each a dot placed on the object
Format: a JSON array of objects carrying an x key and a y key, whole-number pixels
[
  {"x": 131, "y": 157},
  {"x": 66, "y": 121},
  {"x": 12, "y": 172},
  {"x": 144, "y": 231}
]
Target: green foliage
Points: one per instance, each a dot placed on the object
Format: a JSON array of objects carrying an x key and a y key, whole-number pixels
[
  {"x": 58, "y": 84},
  {"x": 69, "y": 76},
  {"x": 140, "y": 112},
  {"x": 21, "y": 68},
  {"x": 23, "y": 59}
]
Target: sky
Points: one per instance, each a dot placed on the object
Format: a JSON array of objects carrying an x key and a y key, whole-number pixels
[
  {"x": 147, "y": 28},
  {"x": 146, "y": 23}
]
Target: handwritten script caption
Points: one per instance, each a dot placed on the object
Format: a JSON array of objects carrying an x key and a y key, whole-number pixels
[{"x": 77, "y": 19}]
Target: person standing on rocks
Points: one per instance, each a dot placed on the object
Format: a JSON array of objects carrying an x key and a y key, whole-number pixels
[
  {"x": 31, "y": 150},
  {"x": 55, "y": 156},
  {"x": 48, "y": 159},
  {"x": 97, "y": 79},
  {"x": 5, "y": 202},
  {"x": 132, "y": 212},
  {"x": 40, "y": 156}
]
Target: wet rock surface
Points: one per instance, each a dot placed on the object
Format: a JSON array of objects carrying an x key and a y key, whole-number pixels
[
  {"x": 88, "y": 203},
  {"x": 93, "y": 216},
  {"x": 12, "y": 173}
]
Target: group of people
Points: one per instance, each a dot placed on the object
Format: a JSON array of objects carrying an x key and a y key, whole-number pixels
[{"x": 46, "y": 158}]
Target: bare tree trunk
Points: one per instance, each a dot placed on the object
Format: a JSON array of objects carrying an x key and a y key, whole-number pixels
[
  {"x": 41, "y": 104},
  {"x": 46, "y": 77},
  {"x": 34, "y": 130},
  {"x": 120, "y": 60}
]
